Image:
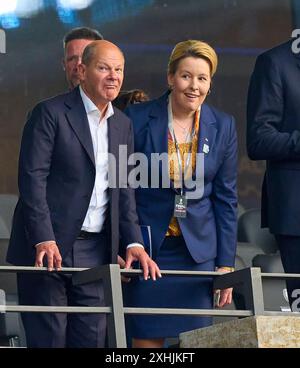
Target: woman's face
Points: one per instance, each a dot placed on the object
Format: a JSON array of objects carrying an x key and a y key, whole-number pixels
[{"x": 190, "y": 83}]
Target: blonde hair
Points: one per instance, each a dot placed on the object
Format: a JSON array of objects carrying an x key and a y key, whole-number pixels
[{"x": 194, "y": 48}]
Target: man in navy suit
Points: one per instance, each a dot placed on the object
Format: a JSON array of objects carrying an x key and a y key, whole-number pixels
[
  {"x": 273, "y": 134},
  {"x": 68, "y": 214}
]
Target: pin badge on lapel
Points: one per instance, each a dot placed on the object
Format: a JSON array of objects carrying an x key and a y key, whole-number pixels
[{"x": 205, "y": 146}]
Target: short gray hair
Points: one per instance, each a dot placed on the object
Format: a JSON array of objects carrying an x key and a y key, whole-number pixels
[{"x": 88, "y": 53}]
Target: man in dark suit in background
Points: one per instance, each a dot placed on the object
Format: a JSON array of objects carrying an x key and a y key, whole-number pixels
[
  {"x": 74, "y": 43},
  {"x": 273, "y": 134},
  {"x": 67, "y": 214}
]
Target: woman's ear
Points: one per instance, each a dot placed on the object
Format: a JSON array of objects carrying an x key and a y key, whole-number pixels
[
  {"x": 170, "y": 81},
  {"x": 210, "y": 87}
]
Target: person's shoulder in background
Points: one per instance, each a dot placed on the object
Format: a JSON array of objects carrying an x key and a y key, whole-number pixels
[
  {"x": 277, "y": 55},
  {"x": 127, "y": 98}
]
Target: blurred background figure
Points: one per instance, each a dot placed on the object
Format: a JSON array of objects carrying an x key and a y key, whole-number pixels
[
  {"x": 273, "y": 135},
  {"x": 75, "y": 42},
  {"x": 127, "y": 98}
]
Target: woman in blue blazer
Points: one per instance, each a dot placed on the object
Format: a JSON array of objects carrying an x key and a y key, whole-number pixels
[{"x": 191, "y": 228}]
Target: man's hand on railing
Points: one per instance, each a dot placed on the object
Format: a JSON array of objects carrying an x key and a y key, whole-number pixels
[
  {"x": 150, "y": 268},
  {"x": 224, "y": 296},
  {"x": 51, "y": 251}
]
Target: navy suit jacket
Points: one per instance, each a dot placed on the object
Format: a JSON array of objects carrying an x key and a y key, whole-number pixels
[
  {"x": 56, "y": 179},
  {"x": 273, "y": 134},
  {"x": 210, "y": 226}
]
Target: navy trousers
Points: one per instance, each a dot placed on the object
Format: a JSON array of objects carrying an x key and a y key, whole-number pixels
[{"x": 60, "y": 330}]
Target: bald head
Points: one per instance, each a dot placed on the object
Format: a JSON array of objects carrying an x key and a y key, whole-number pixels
[
  {"x": 102, "y": 72},
  {"x": 100, "y": 46}
]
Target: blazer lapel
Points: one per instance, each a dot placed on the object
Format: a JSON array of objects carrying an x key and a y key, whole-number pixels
[
  {"x": 207, "y": 130},
  {"x": 158, "y": 126},
  {"x": 77, "y": 118}
]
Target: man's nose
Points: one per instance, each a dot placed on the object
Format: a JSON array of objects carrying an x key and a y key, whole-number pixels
[
  {"x": 113, "y": 74},
  {"x": 77, "y": 62}
]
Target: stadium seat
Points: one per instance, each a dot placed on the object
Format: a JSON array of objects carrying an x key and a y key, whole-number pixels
[
  {"x": 7, "y": 206},
  {"x": 250, "y": 231},
  {"x": 11, "y": 329}
]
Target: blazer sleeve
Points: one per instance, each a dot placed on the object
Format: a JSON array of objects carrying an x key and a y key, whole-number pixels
[
  {"x": 129, "y": 224},
  {"x": 265, "y": 115},
  {"x": 34, "y": 167},
  {"x": 224, "y": 199}
]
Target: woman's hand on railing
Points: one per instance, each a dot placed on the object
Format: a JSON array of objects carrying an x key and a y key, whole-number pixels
[
  {"x": 150, "y": 268},
  {"x": 224, "y": 296}
]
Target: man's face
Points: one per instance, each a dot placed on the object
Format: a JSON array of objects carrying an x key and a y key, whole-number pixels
[
  {"x": 72, "y": 59},
  {"x": 102, "y": 78}
]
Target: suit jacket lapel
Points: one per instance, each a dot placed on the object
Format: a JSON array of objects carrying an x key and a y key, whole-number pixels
[
  {"x": 113, "y": 136},
  {"x": 77, "y": 118},
  {"x": 289, "y": 45},
  {"x": 158, "y": 125},
  {"x": 113, "y": 148},
  {"x": 297, "y": 57}
]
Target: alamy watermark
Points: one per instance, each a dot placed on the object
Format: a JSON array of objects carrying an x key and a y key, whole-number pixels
[
  {"x": 296, "y": 43},
  {"x": 2, "y": 42},
  {"x": 139, "y": 170},
  {"x": 295, "y": 307}
]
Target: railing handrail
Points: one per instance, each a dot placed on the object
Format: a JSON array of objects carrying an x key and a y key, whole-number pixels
[
  {"x": 134, "y": 272},
  {"x": 19, "y": 269},
  {"x": 249, "y": 278}
]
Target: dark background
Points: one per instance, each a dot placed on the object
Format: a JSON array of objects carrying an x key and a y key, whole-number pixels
[{"x": 146, "y": 30}]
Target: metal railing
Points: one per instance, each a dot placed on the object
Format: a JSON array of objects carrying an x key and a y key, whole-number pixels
[{"x": 249, "y": 281}]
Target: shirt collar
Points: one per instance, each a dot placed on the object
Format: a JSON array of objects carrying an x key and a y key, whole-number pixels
[
  {"x": 170, "y": 118},
  {"x": 91, "y": 107}
]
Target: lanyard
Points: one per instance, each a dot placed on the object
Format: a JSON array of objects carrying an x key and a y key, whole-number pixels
[{"x": 172, "y": 132}]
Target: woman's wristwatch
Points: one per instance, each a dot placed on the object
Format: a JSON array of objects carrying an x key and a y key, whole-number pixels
[{"x": 230, "y": 269}]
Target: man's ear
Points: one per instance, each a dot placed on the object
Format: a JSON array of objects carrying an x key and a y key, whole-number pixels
[
  {"x": 81, "y": 69},
  {"x": 63, "y": 63}
]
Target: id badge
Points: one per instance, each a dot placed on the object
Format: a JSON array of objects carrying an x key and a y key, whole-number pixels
[{"x": 180, "y": 206}]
